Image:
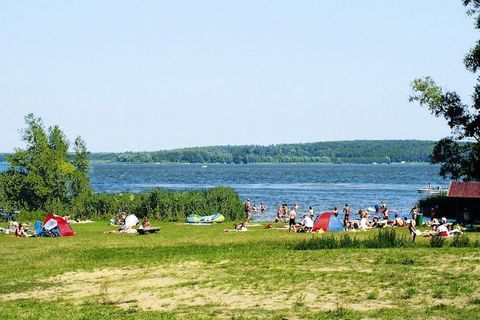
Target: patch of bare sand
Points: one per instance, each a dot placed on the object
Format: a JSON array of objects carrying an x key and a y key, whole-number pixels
[{"x": 189, "y": 284}]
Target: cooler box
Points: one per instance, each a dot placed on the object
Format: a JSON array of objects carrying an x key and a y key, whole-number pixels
[{"x": 419, "y": 220}]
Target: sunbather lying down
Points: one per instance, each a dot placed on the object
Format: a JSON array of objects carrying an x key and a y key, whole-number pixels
[
  {"x": 270, "y": 226},
  {"x": 239, "y": 227},
  {"x": 131, "y": 231},
  {"x": 148, "y": 230}
]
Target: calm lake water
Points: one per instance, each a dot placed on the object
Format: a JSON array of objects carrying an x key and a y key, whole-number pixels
[
  {"x": 321, "y": 186},
  {"x": 318, "y": 185}
]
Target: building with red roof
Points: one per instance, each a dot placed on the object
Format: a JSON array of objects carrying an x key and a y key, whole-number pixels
[{"x": 467, "y": 200}]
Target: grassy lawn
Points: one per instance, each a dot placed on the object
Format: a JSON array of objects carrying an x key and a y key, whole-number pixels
[{"x": 201, "y": 272}]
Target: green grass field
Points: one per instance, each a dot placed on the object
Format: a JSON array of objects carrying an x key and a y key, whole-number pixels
[{"x": 201, "y": 272}]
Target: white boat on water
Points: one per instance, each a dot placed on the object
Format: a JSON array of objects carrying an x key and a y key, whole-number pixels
[{"x": 430, "y": 190}]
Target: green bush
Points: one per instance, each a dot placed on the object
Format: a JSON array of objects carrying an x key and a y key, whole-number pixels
[
  {"x": 163, "y": 204},
  {"x": 317, "y": 243},
  {"x": 157, "y": 204},
  {"x": 386, "y": 238},
  {"x": 460, "y": 241},
  {"x": 348, "y": 242},
  {"x": 437, "y": 241}
]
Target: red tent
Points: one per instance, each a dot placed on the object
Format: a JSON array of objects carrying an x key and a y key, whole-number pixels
[
  {"x": 63, "y": 226},
  {"x": 327, "y": 221}
]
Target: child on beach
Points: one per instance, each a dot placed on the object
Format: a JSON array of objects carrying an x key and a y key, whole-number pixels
[{"x": 412, "y": 230}]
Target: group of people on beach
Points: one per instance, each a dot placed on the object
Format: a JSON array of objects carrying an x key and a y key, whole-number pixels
[{"x": 379, "y": 217}]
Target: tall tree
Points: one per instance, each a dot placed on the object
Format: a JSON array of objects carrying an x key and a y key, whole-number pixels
[
  {"x": 43, "y": 174},
  {"x": 459, "y": 153}
]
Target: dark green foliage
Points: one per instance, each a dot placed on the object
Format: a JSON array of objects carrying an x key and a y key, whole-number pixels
[
  {"x": 163, "y": 204},
  {"x": 457, "y": 160},
  {"x": 408, "y": 293},
  {"x": 317, "y": 243},
  {"x": 45, "y": 178},
  {"x": 384, "y": 239},
  {"x": 407, "y": 261},
  {"x": 437, "y": 242},
  {"x": 348, "y": 242},
  {"x": 360, "y": 151},
  {"x": 42, "y": 176},
  {"x": 460, "y": 241}
]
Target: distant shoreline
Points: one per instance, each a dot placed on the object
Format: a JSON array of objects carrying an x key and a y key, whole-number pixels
[
  {"x": 259, "y": 163},
  {"x": 333, "y": 152}
]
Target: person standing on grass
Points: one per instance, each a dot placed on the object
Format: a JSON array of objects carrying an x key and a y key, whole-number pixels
[
  {"x": 432, "y": 214},
  {"x": 346, "y": 212},
  {"x": 412, "y": 230},
  {"x": 291, "y": 221},
  {"x": 248, "y": 214},
  {"x": 414, "y": 213}
]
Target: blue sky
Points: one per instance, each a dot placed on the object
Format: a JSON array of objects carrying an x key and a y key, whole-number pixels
[{"x": 150, "y": 75}]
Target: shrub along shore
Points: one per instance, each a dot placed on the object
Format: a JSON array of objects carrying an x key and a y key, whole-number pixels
[{"x": 157, "y": 204}]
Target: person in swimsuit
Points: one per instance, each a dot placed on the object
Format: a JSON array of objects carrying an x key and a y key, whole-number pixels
[
  {"x": 291, "y": 221},
  {"x": 279, "y": 214},
  {"x": 346, "y": 211},
  {"x": 248, "y": 214},
  {"x": 20, "y": 231},
  {"x": 412, "y": 230},
  {"x": 414, "y": 213},
  {"x": 145, "y": 223},
  {"x": 285, "y": 212}
]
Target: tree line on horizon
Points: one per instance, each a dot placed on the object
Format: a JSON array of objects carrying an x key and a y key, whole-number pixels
[{"x": 357, "y": 152}]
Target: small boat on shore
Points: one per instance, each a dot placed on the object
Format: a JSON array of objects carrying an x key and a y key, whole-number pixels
[{"x": 215, "y": 218}]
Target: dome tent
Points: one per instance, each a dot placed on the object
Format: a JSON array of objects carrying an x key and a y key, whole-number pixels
[
  {"x": 328, "y": 222},
  {"x": 61, "y": 224}
]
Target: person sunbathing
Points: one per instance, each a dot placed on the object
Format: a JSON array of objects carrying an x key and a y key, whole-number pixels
[
  {"x": 375, "y": 223},
  {"x": 431, "y": 233},
  {"x": 145, "y": 223},
  {"x": 20, "y": 232},
  {"x": 398, "y": 222},
  {"x": 239, "y": 227},
  {"x": 364, "y": 224},
  {"x": 350, "y": 226}
]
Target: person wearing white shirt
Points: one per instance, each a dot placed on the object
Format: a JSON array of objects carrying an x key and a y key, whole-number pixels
[{"x": 308, "y": 223}]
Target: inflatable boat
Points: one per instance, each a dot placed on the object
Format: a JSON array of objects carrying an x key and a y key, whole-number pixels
[{"x": 195, "y": 218}]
